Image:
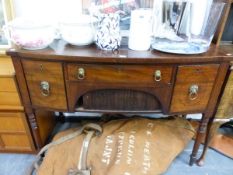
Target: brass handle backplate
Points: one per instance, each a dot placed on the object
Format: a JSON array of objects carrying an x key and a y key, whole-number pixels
[
  {"x": 81, "y": 73},
  {"x": 45, "y": 88},
  {"x": 158, "y": 75},
  {"x": 193, "y": 92}
]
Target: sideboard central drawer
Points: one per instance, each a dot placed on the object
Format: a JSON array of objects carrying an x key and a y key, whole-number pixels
[{"x": 121, "y": 74}]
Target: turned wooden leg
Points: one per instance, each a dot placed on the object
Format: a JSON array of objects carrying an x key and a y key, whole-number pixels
[
  {"x": 211, "y": 130},
  {"x": 200, "y": 132},
  {"x": 34, "y": 129}
]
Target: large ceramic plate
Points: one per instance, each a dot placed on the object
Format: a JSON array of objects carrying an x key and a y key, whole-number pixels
[{"x": 179, "y": 48}]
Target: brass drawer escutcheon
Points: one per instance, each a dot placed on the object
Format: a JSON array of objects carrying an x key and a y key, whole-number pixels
[
  {"x": 158, "y": 75},
  {"x": 81, "y": 73},
  {"x": 45, "y": 88},
  {"x": 193, "y": 92}
]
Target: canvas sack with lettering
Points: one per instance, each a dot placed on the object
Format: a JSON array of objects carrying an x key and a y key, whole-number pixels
[{"x": 135, "y": 146}]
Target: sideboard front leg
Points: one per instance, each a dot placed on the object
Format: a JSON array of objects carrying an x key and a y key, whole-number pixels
[
  {"x": 201, "y": 131},
  {"x": 208, "y": 117},
  {"x": 35, "y": 129},
  {"x": 211, "y": 130},
  {"x": 25, "y": 97}
]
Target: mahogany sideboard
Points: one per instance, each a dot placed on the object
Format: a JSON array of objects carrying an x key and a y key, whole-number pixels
[{"x": 67, "y": 78}]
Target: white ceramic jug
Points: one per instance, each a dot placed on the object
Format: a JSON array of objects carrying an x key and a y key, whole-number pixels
[{"x": 140, "y": 29}]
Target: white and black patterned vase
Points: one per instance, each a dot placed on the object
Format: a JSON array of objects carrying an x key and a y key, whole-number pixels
[{"x": 108, "y": 31}]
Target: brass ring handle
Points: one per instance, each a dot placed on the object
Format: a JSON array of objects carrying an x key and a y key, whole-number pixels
[
  {"x": 193, "y": 92},
  {"x": 45, "y": 88},
  {"x": 157, "y": 75},
  {"x": 81, "y": 73}
]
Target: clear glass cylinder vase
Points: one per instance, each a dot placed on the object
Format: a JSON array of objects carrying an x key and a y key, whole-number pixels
[{"x": 185, "y": 26}]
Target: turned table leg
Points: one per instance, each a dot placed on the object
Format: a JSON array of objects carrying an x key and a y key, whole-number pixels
[{"x": 35, "y": 130}]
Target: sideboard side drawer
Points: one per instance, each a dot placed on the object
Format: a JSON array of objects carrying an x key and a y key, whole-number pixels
[
  {"x": 193, "y": 87},
  {"x": 45, "y": 83},
  {"x": 139, "y": 75}
]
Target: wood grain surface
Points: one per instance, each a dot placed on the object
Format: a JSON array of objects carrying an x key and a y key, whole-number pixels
[
  {"x": 60, "y": 51},
  {"x": 51, "y": 72},
  {"x": 6, "y": 67},
  {"x": 201, "y": 75},
  {"x": 7, "y": 84},
  {"x": 121, "y": 74},
  {"x": 15, "y": 134},
  {"x": 12, "y": 122}
]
